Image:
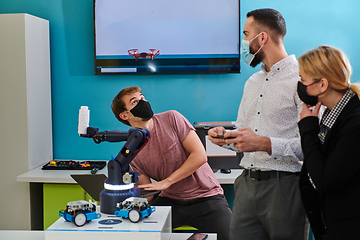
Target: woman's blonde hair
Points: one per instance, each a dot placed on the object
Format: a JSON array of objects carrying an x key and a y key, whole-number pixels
[{"x": 330, "y": 63}]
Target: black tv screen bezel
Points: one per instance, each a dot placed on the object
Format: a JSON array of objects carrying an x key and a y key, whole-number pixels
[{"x": 224, "y": 64}]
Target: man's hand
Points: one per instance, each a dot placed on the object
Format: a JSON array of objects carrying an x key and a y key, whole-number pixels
[
  {"x": 246, "y": 140},
  {"x": 156, "y": 186},
  {"x": 306, "y": 111},
  {"x": 214, "y": 134}
]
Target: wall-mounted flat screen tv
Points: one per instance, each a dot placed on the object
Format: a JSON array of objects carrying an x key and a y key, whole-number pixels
[{"x": 167, "y": 36}]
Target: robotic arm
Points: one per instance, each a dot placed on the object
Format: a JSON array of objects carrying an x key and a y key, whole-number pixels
[
  {"x": 120, "y": 182},
  {"x": 118, "y": 168}
]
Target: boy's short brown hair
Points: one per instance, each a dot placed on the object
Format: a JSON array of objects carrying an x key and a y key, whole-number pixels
[{"x": 118, "y": 105}]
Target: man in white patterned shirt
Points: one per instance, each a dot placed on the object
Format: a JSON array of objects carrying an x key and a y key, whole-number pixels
[{"x": 267, "y": 201}]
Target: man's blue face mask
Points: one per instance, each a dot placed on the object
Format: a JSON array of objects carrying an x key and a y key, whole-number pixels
[{"x": 245, "y": 50}]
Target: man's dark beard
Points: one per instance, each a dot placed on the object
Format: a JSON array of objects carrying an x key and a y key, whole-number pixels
[{"x": 258, "y": 57}]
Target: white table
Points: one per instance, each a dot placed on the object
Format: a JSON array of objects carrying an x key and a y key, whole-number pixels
[
  {"x": 40, "y": 235},
  {"x": 228, "y": 178},
  {"x": 38, "y": 175},
  {"x": 155, "y": 227}
]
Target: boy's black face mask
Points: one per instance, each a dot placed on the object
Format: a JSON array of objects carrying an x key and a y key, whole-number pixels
[
  {"x": 304, "y": 96},
  {"x": 142, "y": 110}
]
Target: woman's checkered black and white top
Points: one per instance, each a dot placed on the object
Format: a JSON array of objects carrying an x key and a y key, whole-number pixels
[{"x": 329, "y": 117}]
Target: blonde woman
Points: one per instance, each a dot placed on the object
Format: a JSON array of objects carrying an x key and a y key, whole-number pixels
[{"x": 330, "y": 177}]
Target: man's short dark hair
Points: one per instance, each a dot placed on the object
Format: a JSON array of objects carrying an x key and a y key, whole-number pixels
[{"x": 267, "y": 18}]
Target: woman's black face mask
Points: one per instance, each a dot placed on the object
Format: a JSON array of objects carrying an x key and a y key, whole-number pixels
[
  {"x": 304, "y": 96},
  {"x": 142, "y": 110}
]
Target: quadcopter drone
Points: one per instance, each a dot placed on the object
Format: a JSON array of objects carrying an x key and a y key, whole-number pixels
[{"x": 135, "y": 54}]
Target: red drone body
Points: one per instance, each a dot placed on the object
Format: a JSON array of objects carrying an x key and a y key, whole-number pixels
[{"x": 135, "y": 54}]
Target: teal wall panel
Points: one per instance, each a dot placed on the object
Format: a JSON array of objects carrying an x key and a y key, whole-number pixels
[{"x": 198, "y": 97}]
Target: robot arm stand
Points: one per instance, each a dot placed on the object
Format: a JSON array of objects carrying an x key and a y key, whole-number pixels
[{"x": 121, "y": 163}]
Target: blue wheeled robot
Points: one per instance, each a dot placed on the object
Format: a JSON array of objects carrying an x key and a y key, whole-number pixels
[
  {"x": 134, "y": 209},
  {"x": 80, "y": 212}
]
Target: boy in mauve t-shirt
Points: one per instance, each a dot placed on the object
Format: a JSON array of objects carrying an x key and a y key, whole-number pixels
[{"x": 176, "y": 159}]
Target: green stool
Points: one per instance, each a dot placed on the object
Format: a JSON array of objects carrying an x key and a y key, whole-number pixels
[{"x": 185, "y": 229}]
